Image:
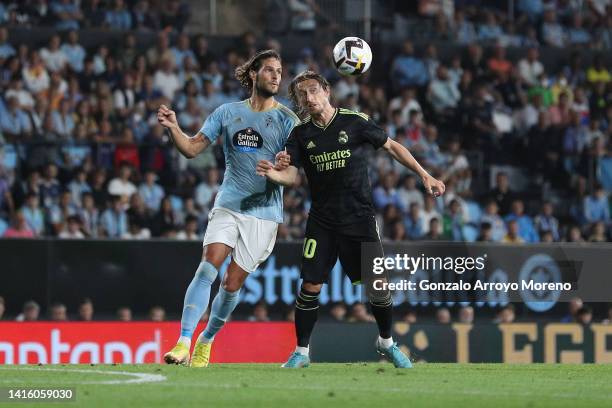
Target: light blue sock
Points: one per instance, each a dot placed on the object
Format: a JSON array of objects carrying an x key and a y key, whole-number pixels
[
  {"x": 197, "y": 297},
  {"x": 222, "y": 307}
]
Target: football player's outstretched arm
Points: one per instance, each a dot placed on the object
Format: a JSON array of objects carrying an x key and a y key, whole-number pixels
[
  {"x": 189, "y": 147},
  {"x": 285, "y": 177},
  {"x": 402, "y": 155}
]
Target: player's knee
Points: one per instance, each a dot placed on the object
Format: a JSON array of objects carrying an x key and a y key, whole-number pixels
[
  {"x": 312, "y": 287},
  {"x": 206, "y": 271},
  {"x": 380, "y": 298},
  {"x": 308, "y": 299},
  {"x": 231, "y": 283}
]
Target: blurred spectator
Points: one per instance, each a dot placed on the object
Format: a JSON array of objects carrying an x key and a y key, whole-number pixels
[
  {"x": 414, "y": 222},
  {"x": 443, "y": 316},
  {"x": 2, "y": 307},
  {"x": 89, "y": 216},
  {"x": 598, "y": 72},
  {"x": 19, "y": 228},
  {"x": 74, "y": 52},
  {"x": 486, "y": 233},
  {"x": 122, "y": 186},
  {"x": 577, "y": 34},
  {"x": 453, "y": 221},
  {"x": 598, "y": 233},
  {"x": 506, "y": 315},
  {"x": 67, "y": 14},
  {"x": 410, "y": 317},
  {"x": 338, "y": 312},
  {"x": 57, "y": 312},
  {"x": 53, "y": 56},
  {"x": 408, "y": 192},
  {"x": 165, "y": 79},
  {"x": 359, "y": 314},
  {"x": 72, "y": 230},
  {"x": 86, "y": 310},
  {"x": 113, "y": 221},
  {"x": 443, "y": 93},
  {"x": 496, "y": 223},
  {"x": 157, "y": 314},
  {"x": 530, "y": 68},
  {"x": 59, "y": 213},
  {"x": 552, "y": 32},
  {"x": 491, "y": 29},
  {"x": 30, "y": 312},
  {"x": 190, "y": 230},
  {"x": 574, "y": 234},
  {"x": 527, "y": 230},
  {"x": 513, "y": 236},
  {"x": 546, "y": 221},
  {"x": 584, "y": 315},
  {"x": 124, "y": 314},
  {"x": 33, "y": 214},
  {"x": 573, "y": 306},
  {"x": 430, "y": 212},
  {"x": 466, "y": 315},
  {"x": 596, "y": 207},
  {"x": 407, "y": 70},
  {"x": 118, "y": 18},
  {"x": 290, "y": 315},
  {"x": 303, "y": 14},
  {"x": 151, "y": 192},
  {"x": 434, "y": 230},
  {"x": 386, "y": 193},
  {"x": 502, "y": 194},
  {"x": 260, "y": 313}
]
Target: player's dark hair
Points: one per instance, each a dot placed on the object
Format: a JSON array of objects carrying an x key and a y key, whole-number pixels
[{"x": 253, "y": 64}]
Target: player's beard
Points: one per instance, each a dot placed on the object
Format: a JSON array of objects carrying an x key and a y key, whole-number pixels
[{"x": 261, "y": 89}]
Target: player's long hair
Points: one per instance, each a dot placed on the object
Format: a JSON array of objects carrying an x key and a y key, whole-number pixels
[
  {"x": 301, "y": 77},
  {"x": 253, "y": 64}
]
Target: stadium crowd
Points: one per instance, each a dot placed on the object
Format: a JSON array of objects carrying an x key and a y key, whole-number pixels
[
  {"x": 83, "y": 155},
  {"x": 577, "y": 312}
]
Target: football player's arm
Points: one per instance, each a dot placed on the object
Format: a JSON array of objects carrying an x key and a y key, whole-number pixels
[
  {"x": 285, "y": 177},
  {"x": 403, "y": 156},
  {"x": 189, "y": 146}
]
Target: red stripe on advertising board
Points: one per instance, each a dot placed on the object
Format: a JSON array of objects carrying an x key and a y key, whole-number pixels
[{"x": 137, "y": 342}]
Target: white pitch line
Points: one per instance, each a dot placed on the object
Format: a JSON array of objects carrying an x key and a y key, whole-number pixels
[{"x": 140, "y": 377}]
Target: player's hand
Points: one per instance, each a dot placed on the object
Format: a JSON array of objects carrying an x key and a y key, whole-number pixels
[
  {"x": 282, "y": 160},
  {"x": 166, "y": 117},
  {"x": 264, "y": 167},
  {"x": 433, "y": 186}
]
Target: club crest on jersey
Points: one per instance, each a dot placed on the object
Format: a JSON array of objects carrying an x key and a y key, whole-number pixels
[
  {"x": 342, "y": 137},
  {"x": 247, "y": 140},
  {"x": 268, "y": 121}
]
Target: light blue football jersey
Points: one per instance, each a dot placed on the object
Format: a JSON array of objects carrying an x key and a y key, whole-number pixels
[{"x": 248, "y": 137}]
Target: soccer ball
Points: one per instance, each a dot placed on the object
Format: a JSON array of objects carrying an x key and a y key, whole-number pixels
[{"x": 352, "y": 56}]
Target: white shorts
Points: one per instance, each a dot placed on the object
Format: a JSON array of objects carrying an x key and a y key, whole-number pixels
[{"x": 251, "y": 238}]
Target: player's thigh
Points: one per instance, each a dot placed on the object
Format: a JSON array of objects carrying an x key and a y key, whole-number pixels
[
  {"x": 359, "y": 245},
  {"x": 220, "y": 237},
  {"x": 319, "y": 252},
  {"x": 255, "y": 241}
]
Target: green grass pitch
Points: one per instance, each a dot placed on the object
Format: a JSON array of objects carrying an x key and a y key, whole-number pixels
[{"x": 321, "y": 385}]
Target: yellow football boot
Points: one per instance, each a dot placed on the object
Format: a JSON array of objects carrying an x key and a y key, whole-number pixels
[
  {"x": 201, "y": 355},
  {"x": 178, "y": 355}
]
